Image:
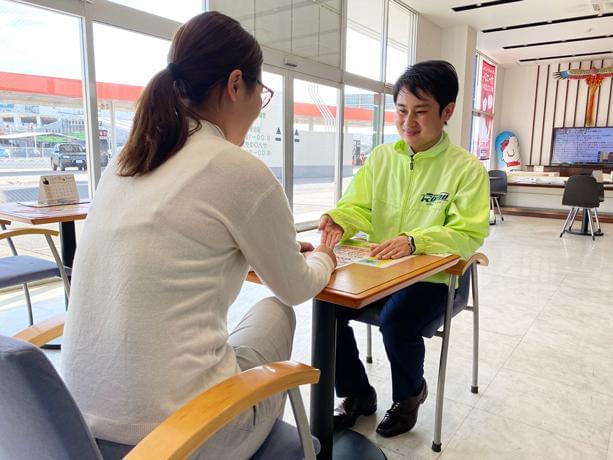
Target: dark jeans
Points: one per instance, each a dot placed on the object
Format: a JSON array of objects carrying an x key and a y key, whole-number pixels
[{"x": 402, "y": 317}]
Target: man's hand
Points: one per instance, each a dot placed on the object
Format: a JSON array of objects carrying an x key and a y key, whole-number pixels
[
  {"x": 327, "y": 250},
  {"x": 392, "y": 249},
  {"x": 305, "y": 246},
  {"x": 331, "y": 232}
]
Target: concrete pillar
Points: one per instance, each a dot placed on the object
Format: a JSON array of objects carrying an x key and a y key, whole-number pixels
[{"x": 459, "y": 46}]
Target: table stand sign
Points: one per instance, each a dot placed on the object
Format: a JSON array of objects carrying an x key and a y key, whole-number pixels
[{"x": 57, "y": 189}]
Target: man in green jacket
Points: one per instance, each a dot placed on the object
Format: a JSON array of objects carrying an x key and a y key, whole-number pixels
[{"x": 419, "y": 195}]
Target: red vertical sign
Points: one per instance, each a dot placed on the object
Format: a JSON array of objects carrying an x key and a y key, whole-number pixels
[
  {"x": 486, "y": 102},
  {"x": 488, "y": 75}
]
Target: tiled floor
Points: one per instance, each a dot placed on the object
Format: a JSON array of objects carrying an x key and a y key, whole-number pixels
[{"x": 546, "y": 364}]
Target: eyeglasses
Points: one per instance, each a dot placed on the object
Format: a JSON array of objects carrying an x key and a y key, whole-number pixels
[{"x": 267, "y": 93}]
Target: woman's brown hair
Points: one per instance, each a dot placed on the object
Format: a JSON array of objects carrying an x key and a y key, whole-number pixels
[{"x": 203, "y": 53}]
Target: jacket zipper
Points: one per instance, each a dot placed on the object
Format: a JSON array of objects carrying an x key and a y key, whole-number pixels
[{"x": 407, "y": 193}]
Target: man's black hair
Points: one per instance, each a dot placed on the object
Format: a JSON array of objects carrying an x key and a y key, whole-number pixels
[{"x": 437, "y": 78}]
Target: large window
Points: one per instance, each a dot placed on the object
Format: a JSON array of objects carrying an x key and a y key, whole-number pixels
[
  {"x": 362, "y": 130},
  {"x": 130, "y": 41},
  {"x": 310, "y": 29},
  {"x": 41, "y": 104},
  {"x": 483, "y": 108},
  {"x": 364, "y": 37},
  {"x": 180, "y": 10},
  {"x": 365, "y": 42},
  {"x": 390, "y": 133},
  {"x": 120, "y": 80},
  {"x": 400, "y": 41}
]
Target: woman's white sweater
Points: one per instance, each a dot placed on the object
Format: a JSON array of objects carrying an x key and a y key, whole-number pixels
[{"x": 160, "y": 260}]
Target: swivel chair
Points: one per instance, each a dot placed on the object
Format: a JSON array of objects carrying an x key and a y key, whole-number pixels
[
  {"x": 40, "y": 419},
  {"x": 23, "y": 269},
  {"x": 582, "y": 192}
]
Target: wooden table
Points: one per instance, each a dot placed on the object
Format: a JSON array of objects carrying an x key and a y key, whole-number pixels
[
  {"x": 353, "y": 286},
  {"x": 65, "y": 215}
]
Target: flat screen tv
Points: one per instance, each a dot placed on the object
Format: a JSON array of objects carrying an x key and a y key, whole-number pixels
[{"x": 584, "y": 146}]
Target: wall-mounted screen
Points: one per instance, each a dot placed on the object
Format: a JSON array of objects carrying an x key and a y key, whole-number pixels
[{"x": 582, "y": 146}]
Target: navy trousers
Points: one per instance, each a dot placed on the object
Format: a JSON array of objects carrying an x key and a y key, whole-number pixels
[{"x": 402, "y": 316}]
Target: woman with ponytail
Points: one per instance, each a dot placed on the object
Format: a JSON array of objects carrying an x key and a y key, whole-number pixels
[{"x": 177, "y": 220}]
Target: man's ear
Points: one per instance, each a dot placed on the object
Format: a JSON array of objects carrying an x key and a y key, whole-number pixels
[
  {"x": 448, "y": 111},
  {"x": 233, "y": 83}
]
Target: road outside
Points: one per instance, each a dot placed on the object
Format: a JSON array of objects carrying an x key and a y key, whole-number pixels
[{"x": 19, "y": 178}]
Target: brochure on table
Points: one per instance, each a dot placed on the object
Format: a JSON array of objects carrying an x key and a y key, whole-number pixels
[{"x": 358, "y": 252}]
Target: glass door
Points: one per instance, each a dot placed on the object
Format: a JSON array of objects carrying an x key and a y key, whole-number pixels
[
  {"x": 315, "y": 136},
  {"x": 265, "y": 137}
]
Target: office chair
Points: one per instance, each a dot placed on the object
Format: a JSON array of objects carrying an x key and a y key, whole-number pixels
[
  {"x": 600, "y": 200},
  {"x": 457, "y": 300},
  {"x": 40, "y": 419},
  {"x": 581, "y": 192},
  {"x": 498, "y": 189},
  {"x": 22, "y": 269}
]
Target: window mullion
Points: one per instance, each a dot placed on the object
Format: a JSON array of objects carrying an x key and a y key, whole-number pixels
[{"x": 90, "y": 102}]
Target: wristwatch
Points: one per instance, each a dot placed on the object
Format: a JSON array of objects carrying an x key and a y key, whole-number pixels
[{"x": 411, "y": 243}]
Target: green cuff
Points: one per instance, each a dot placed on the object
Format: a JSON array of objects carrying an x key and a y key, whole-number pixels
[{"x": 421, "y": 243}]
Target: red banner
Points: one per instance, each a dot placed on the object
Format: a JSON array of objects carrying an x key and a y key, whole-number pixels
[
  {"x": 486, "y": 101},
  {"x": 488, "y": 76}
]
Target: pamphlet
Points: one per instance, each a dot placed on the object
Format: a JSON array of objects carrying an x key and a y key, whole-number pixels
[{"x": 358, "y": 252}]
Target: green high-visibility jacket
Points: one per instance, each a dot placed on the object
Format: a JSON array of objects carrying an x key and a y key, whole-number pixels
[{"x": 439, "y": 196}]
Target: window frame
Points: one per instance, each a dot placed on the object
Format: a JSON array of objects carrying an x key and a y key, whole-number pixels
[{"x": 134, "y": 20}]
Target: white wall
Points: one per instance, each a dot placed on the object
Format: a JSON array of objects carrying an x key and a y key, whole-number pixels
[
  {"x": 518, "y": 104},
  {"x": 498, "y": 104},
  {"x": 428, "y": 45},
  {"x": 534, "y": 102}
]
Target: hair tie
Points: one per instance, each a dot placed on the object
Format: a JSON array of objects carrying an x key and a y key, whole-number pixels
[{"x": 174, "y": 71}]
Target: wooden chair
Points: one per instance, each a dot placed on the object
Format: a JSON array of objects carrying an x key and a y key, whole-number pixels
[
  {"x": 40, "y": 419},
  {"x": 457, "y": 300},
  {"x": 22, "y": 269}
]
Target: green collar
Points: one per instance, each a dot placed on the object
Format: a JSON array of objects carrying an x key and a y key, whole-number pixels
[{"x": 442, "y": 145}]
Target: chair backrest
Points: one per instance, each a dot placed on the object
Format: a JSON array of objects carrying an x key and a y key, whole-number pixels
[
  {"x": 459, "y": 303},
  {"x": 38, "y": 416},
  {"x": 581, "y": 191},
  {"x": 498, "y": 185},
  {"x": 600, "y": 192}
]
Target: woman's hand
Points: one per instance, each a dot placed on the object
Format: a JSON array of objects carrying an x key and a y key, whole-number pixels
[
  {"x": 305, "y": 247},
  {"x": 392, "y": 249},
  {"x": 326, "y": 250}
]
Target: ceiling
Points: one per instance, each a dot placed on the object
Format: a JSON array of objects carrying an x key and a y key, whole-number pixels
[{"x": 580, "y": 34}]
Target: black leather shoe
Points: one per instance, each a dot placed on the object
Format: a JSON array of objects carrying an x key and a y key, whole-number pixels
[
  {"x": 352, "y": 407},
  {"x": 402, "y": 416}
]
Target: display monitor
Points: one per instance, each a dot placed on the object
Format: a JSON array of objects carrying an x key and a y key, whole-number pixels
[{"x": 582, "y": 146}]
